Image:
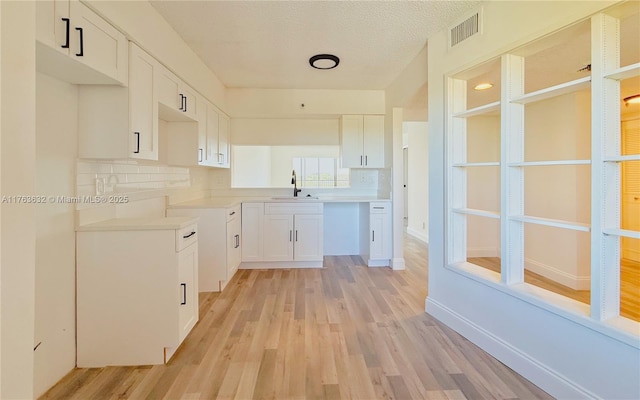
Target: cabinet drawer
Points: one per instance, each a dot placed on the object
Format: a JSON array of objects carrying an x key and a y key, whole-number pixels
[
  {"x": 233, "y": 213},
  {"x": 186, "y": 236},
  {"x": 293, "y": 208},
  {"x": 379, "y": 207}
]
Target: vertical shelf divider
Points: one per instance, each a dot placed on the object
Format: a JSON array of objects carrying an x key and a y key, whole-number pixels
[
  {"x": 511, "y": 178},
  {"x": 605, "y": 177},
  {"x": 457, "y": 153}
]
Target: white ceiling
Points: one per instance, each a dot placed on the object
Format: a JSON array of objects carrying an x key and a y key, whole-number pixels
[{"x": 267, "y": 44}]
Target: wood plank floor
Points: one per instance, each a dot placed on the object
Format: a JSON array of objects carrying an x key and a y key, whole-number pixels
[
  {"x": 629, "y": 285},
  {"x": 342, "y": 332}
]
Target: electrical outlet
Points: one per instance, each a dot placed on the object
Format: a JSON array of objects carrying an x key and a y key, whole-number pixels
[{"x": 99, "y": 186}]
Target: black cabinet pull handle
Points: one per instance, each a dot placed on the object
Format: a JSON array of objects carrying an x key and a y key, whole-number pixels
[
  {"x": 360, "y": 160},
  {"x": 200, "y": 155},
  {"x": 290, "y": 236},
  {"x": 237, "y": 241},
  {"x": 373, "y": 239},
  {"x": 184, "y": 294},
  {"x": 137, "y": 142},
  {"x": 181, "y": 102},
  {"x": 185, "y": 104},
  {"x": 81, "y": 43},
  {"x": 365, "y": 161},
  {"x": 66, "y": 43},
  {"x": 233, "y": 213},
  {"x": 189, "y": 235}
]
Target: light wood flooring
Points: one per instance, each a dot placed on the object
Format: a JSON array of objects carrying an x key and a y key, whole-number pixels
[
  {"x": 629, "y": 285},
  {"x": 342, "y": 332}
]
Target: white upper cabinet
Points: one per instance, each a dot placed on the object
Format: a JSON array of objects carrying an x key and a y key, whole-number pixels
[
  {"x": 77, "y": 45},
  {"x": 143, "y": 110},
  {"x": 223, "y": 141},
  {"x": 116, "y": 122},
  {"x": 362, "y": 141},
  {"x": 213, "y": 128},
  {"x": 180, "y": 99}
]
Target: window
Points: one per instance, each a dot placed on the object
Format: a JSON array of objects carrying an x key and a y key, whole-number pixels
[
  {"x": 320, "y": 172},
  {"x": 540, "y": 169}
]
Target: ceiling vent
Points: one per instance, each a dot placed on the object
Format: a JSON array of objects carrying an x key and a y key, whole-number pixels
[{"x": 465, "y": 29}]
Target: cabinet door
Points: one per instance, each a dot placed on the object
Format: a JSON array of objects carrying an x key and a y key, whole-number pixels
[
  {"x": 252, "y": 214},
  {"x": 189, "y": 99},
  {"x": 234, "y": 248},
  {"x": 167, "y": 89},
  {"x": 143, "y": 110},
  {"x": 97, "y": 44},
  {"x": 373, "y": 141},
  {"x": 223, "y": 141},
  {"x": 187, "y": 290},
  {"x": 201, "y": 117},
  {"x": 51, "y": 28},
  {"x": 212, "y": 136},
  {"x": 351, "y": 136},
  {"x": 308, "y": 237},
  {"x": 278, "y": 237},
  {"x": 376, "y": 238}
]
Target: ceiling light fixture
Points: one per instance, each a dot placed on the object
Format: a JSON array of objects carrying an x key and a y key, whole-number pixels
[
  {"x": 483, "y": 86},
  {"x": 635, "y": 99},
  {"x": 324, "y": 61}
]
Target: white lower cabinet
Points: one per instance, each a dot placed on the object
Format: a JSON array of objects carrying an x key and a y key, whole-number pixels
[
  {"x": 220, "y": 244},
  {"x": 280, "y": 232},
  {"x": 137, "y": 296},
  {"x": 376, "y": 233}
]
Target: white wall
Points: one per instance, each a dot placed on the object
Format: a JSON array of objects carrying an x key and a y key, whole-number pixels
[
  {"x": 56, "y": 152},
  {"x": 559, "y": 128},
  {"x": 287, "y": 103},
  {"x": 17, "y": 227},
  {"x": 285, "y": 131},
  {"x": 558, "y": 347},
  {"x": 418, "y": 185},
  {"x": 483, "y": 185}
]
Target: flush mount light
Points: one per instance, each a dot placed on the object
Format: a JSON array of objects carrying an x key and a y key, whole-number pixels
[
  {"x": 483, "y": 86},
  {"x": 324, "y": 61},
  {"x": 635, "y": 99}
]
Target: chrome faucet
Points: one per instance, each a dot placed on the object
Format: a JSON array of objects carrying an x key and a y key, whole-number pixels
[{"x": 293, "y": 182}]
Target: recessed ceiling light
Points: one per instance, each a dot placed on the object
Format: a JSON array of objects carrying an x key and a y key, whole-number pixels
[
  {"x": 483, "y": 86},
  {"x": 635, "y": 99},
  {"x": 324, "y": 61}
]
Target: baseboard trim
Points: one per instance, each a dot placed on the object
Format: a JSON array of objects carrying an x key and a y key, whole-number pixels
[
  {"x": 544, "y": 377},
  {"x": 418, "y": 235},
  {"x": 280, "y": 264},
  {"x": 397, "y": 264},
  {"x": 562, "y": 277}
]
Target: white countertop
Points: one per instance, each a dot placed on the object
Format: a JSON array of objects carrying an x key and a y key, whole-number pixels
[
  {"x": 139, "y": 224},
  {"x": 225, "y": 202}
]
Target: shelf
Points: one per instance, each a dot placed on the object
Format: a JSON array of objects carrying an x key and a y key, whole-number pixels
[
  {"x": 485, "y": 109},
  {"x": 632, "y": 157},
  {"x": 479, "y": 213},
  {"x": 557, "y": 223},
  {"x": 477, "y": 164},
  {"x": 622, "y": 233},
  {"x": 553, "y": 91},
  {"x": 628, "y": 71},
  {"x": 555, "y": 162}
]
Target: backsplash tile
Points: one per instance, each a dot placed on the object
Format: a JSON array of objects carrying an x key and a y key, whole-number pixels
[{"x": 123, "y": 177}]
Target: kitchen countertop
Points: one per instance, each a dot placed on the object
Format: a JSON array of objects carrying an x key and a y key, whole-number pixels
[
  {"x": 138, "y": 224},
  {"x": 225, "y": 202}
]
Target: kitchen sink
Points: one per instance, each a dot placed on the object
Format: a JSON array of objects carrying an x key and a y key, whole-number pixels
[{"x": 295, "y": 198}]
